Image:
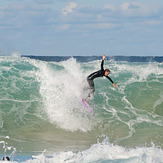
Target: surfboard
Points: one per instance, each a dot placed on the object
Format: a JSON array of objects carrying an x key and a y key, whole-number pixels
[{"x": 87, "y": 106}]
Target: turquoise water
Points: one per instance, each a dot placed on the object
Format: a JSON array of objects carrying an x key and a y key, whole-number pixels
[{"x": 42, "y": 115}]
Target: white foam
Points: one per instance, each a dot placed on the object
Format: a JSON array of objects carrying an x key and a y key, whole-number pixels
[
  {"x": 61, "y": 89},
  {"x": 158, "y": 102},
  {"x": 7, "y": 149},
  {"x": 15, "y": 54},
  {"x": 139, "y": 71},
  {"x": 7, "y": 137},
  {"x": 105, "y": 152},
  {"x": 1, "y": 121}
]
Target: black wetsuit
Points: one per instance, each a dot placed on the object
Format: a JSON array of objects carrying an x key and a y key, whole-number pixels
[{"x": 97, "y": 74}]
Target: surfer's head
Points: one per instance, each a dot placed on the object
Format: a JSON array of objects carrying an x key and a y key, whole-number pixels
[
  {"x": 107, "y": 71},
  {"x": 6, "y": 158}
]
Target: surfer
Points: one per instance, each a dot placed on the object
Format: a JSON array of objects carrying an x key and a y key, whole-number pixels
[
  {"x": 6, "y": 158},
  {"x": 97, "y": 74}
]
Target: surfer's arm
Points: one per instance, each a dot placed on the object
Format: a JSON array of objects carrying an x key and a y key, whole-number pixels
[
  {"x": 111, "y": 81},
  {"x": 103, "y": 57},
  {"x": 114, "y": 85},
  {"x": 102, "y": 62}
]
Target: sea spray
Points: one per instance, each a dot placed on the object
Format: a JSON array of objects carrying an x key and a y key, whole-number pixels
[
  {"x": 61, "y": 89},
  {"x": 8, "y": 151}
]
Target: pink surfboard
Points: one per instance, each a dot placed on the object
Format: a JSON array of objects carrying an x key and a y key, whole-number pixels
[{"x": 87, "y": 106}]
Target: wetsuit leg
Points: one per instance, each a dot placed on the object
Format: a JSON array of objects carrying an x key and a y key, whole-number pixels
[{"x": 91, "y": 84}]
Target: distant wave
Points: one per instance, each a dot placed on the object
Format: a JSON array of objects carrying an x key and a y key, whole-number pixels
[{"x": 93, "y": 58}]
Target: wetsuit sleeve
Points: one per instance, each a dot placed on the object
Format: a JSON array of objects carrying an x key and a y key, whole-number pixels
[
  {"x": 102, "y": 65},
  {"x": 109, "y": 79}
]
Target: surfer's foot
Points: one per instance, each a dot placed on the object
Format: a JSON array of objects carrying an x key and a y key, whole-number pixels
[{"x": 87, "y": 101}]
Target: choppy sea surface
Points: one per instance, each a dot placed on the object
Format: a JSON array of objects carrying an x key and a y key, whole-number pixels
[{"x": 43, "y": 119}]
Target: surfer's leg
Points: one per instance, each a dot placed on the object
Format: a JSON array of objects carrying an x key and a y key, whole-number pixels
[
  {"x": 92, "y": 89},
  {"x": 91, "y": 84}
]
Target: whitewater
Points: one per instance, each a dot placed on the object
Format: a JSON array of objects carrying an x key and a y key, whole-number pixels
[{"x": 43, "y": 119}]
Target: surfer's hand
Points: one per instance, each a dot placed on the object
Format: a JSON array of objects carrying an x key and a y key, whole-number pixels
[
  {"x": 104, "y": 56},
  {"x": 114, "y": 85}
]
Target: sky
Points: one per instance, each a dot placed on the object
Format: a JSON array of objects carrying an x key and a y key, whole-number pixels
[{"x": 81, "y": 27}]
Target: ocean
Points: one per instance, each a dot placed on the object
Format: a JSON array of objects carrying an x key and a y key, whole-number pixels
[{"x": 43, "y": 119}]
